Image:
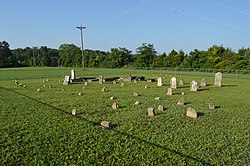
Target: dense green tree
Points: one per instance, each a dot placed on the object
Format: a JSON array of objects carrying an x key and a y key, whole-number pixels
[
  {"x": 145, "y": 56},
  {"x": 70, "y": 55},
  {"x": 6, "y": 57}
]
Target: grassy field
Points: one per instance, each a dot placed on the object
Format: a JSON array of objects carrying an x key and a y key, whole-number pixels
[{"x": 37, "y": 128}]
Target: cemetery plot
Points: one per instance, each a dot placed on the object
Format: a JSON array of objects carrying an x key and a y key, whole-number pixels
[{"x": 57, "y": 126}]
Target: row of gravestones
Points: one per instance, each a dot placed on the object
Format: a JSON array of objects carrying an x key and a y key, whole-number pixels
[
  {"x": 173, "y": 81},
  {"x": 193, "y": 85}
]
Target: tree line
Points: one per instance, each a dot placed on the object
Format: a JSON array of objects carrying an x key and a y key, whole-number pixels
[{"x": 69, "y": 55}]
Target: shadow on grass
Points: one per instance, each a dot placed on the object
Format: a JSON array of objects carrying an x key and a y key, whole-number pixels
[
  {"x": 200, "y": 114},
  {"x": 187, "y": 156}
]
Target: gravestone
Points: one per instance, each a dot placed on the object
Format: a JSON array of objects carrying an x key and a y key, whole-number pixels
[
  {"x": 115, "y": 106},
  {"x": 191, "y": 113},
  {"x": 160, "y": 108},
  {"x": 135, "y": 94},
  {"x": 122, "y": 84},
  {"x": 73, "y": 74},
  {"x": 157, "y": 98},
  {"x": 38, "y": 90},
  {"x": 103, "y": 89},
  {"x": 85, "y": 83},
  {"x": 218, "y": 79},
  {"x": 137, "y": 103},
  {"x": 101, "y": 80},
  {"x": 211, "y": 106},
  {"x": 173, "y": 83},
  {"x": 194, "y": 86},
  {"x": 74, "y": 112},
  {"x": 66, "y": 80},
  {"x": 106, "y": 124},
  {"x": 170, "y": 92},
  {"x": 151, "y": 112},
  {"x": 181, "y": 82},
  {"x": 159, "y": 81},
  {"x": 181, "y": 101},
  {"x": 114, "y": 82},
  {"x": 145, "y": 86},
  {"x": 203, "y": 82},
  {"x": 111, "y": 98}
]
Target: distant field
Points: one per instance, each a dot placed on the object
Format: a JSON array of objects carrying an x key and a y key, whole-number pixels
[{"x": 37, "y": 128}]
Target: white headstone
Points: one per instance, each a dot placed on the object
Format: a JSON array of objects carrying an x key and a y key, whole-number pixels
[
  {"x": 159, "y": 81},
  {"x": 173, "y": 83},
  {"x": 115, "y": 106},
  {"x": 106, "y": 124},
  {"x": 66, "y": 80},
  {"x": 151, "y": 112},
  {"x": 194, "y": 86},
  {"x": 100, "y": 79},
  {"x": 73, "y": 74},
  {"x": 170, "y": 92},
  {"x": 74, "y": 112},
  {"x": 181, "y": 82},
  {"x": 218, "y": 79}
]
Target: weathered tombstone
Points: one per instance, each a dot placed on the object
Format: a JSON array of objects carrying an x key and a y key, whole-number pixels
[
  {"x": 106, "y": 124},
  {"x": 173, "y": 83},
  {"x": 137, "y": 103},
  {"x": 44, "y": 85},
  {"x": 80, "y": 94},
  {"x": 182, "y": 93},
  {"x": 211, "y": 106},
  {"x": 194, "y": 86},
  {"x": 73, "y": 74},
  {"x": 135, "y": 94},
  {"x": 122, "y": 84},
  {"x": 191, "y": 113},
  {"x": 159, "y": 81},
  {"x": 103, "y": 89},
  {"x": 160, "y": 108},
  {"x": 157, "y": 98},
  {"x": 181, "y": 82},
  {"x": 74, "y": 112},
  {"x": 203, "y": 82},
  {"x": 111, "y": 98},
  {"x": 170, "y": 92},
  {"x": 145, "y": 86},
  {"x": 181, "y": 101},
  {"x": 218, "y": 79},
  {"x": 151, "y": 112},
  {"x": 85, "y": 83},
  {"x": 66, "y": 80},
  {"x": 114, "y": 82},
  {"x": 38, "y": 90},
  {"x": 115, "y": 106},
  {"x": 100, "y": 79}
]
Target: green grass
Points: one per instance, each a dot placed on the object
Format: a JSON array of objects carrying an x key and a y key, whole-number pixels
[{"x": 37, "y": 128}]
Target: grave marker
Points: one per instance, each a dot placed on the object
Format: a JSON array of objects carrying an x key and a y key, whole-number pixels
[
  {"x": 191, "y": 113},
  {"x": 218, "y": 79},
  {"x": 151, "y": 112},
  {"x": 173, "y": 83},
  {"x": 159, "y": 81},
  {"x": 194, "y": 86},
  {"x": 170, "y": 92}
]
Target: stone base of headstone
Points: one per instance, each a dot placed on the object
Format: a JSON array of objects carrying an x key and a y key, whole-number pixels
[
  {"x": 151, "y": 112},
  {"x": 191, "y": 113},
  {"x": 135, "y": 94}
]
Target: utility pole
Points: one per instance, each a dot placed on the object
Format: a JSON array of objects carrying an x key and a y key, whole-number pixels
[{"x": 81, "y": 28}]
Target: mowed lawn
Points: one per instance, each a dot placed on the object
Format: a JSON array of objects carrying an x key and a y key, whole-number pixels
[{"x": 37, "y": 128}]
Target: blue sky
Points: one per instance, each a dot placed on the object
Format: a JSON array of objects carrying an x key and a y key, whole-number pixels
[{"x": 167, "y": 24}]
